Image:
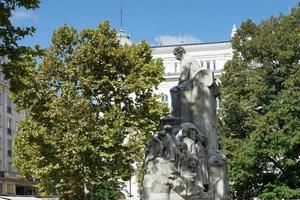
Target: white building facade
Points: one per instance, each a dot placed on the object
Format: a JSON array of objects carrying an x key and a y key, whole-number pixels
[{"x": 10, "y": 183}]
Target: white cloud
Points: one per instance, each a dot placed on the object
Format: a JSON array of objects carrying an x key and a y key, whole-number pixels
[
  {"x": 181, "y": 39},
  {"x": 24, "y": 15}
]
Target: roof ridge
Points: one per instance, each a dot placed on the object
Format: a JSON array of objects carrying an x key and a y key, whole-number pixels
[{"x": 198, "y": 43}]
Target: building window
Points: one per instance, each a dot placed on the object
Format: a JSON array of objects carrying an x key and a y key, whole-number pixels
[
  {"x": 9, "y": 148},
  {"x": 9, "y": 105},
  {"x": 1, "y": 188},
  {"x": 9, "y": 126},
  {"x": 201, "y": 63},
  {"x": 9, "y": 123},
  {"x": 164, "y": 98},
  {"x": 208, "y": 64},
  {"x": 0, "y": 120},
  {"x": 0, "y": 143},
  {"x": 177, "y": 68},
  {"x": 9, "y": 131},
  {"x": 9, "y": 153},
  {"x": 0, "y": 98},
  {"x": 1, "y": 167},
  {"x": 214, "y": 64},
  {"x": 9, "y": 166},
  {"x": 10, "y": 188}
]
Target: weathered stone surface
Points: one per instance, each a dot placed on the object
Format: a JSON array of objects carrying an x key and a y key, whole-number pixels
[
  {"x": 198, "y": 105},
  {"x": 218, "y": 175}
]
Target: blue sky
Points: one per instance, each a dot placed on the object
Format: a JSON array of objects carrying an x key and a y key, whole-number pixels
[{"x": 157, "y": 21}]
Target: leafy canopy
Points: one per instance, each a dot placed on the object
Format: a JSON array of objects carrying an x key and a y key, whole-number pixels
[
  {"x": 10, "y": 34},
  {"x": 260, "y": 109},
  {"x": 90, "y": 108}
]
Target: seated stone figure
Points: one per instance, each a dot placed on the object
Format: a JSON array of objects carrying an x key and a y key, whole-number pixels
[
  {"x": 194, "y": 98},
  {"x": 189, "y": 68}
]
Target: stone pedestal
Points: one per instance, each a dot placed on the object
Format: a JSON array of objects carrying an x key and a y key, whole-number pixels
[{"x": 158, "y": 196}]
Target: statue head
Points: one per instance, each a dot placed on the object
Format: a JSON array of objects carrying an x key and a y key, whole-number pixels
[
  {"x": 178, "y": 52},
  {"x": 193, "y": 134},
  {"x": 185, "y": 132},
  {"x": 168, "y": 129},
  {"x": 161, "y": 134},
  {"x": 192, "y": 164}
]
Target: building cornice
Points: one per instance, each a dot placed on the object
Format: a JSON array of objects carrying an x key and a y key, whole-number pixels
[
  {"x": 209, "y": 46},
  {"x": 190, "y": 44}
]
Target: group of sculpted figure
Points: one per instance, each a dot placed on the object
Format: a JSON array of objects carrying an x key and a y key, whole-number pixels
[
  {"x": 184, "y": 156},
  {"x": 183, "y": 153}
]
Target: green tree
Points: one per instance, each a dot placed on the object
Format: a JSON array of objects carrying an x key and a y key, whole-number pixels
[
  {"x": 260, "y": 109},
  {"x": 10, "y": 34},
  {"x": 90, "y": 106},
  {"x": 106, "y": 190}
]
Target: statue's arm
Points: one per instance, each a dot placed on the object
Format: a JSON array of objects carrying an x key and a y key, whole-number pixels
[
  {"x": 184, "y": 73},
  {"x": 149, "y": 158}
]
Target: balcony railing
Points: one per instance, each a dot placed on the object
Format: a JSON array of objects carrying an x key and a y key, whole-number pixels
[{"x": 172, "y": 74}]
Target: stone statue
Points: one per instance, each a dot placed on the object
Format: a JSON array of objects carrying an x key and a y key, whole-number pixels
[
  {"x": 154, "y": 147},
  {"x": 201, "y": 148},
  {"x": 218, "y": 178},
  {"x": 157, "y": 168},
  {"x": 189, "y": 68},
  {"x": 172, "y": 149},
  {"x": 188, "y": 172},
  {"x": 189, "y": 139},
  {"x": 183, "y": 158}
]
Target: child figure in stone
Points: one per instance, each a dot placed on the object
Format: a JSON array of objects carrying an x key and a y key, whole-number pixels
[
  {"x": 201, "y": 147},
  {"x": 189, "y": 162}
]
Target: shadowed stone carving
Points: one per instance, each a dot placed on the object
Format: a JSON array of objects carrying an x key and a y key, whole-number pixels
[{"x": 198, "y": 105}]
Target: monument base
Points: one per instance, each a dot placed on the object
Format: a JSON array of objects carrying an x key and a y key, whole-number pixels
[
  {"x": 202, "y": 196},
  {"x": 174, "y": 196}
]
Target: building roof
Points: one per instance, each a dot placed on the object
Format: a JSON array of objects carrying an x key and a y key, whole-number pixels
[
  {"x": 124, "y": 38},
  {"x": 194, "y": 47},
  {"x": 190, "y": 44}
]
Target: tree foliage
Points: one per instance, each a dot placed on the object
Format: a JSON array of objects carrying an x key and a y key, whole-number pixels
[
  {"x": 90, "y": 108},
  {"x": 260, "y": 109},
  {"x": 10, "y": 34},
  {"x": 106, "y": 191}
]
